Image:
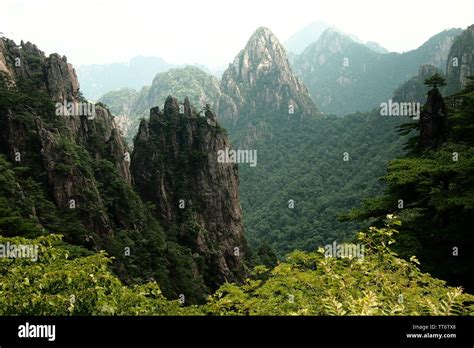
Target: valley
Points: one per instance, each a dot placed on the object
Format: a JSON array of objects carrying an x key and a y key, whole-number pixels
[{"x": 144, "y": 195}]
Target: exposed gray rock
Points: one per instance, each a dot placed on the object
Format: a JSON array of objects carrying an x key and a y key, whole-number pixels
[
  {"x": 460, "y": 63},
  {"x": 175, "y": 166}
]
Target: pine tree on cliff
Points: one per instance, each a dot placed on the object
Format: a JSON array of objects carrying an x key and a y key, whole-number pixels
[
  {"x": 433, "y": 122},
  {"x": 432, "y": 190},
  {"x": 435, "y": 81}
]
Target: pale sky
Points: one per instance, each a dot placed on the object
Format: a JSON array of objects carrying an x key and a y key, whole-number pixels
[{"x": 212, "y": 32}]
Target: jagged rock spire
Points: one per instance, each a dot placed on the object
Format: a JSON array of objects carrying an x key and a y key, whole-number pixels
[
  {"x": 171, "y": 106},
  {"x": 187, "y": 107},
  {"x": 260, "y": 77}
]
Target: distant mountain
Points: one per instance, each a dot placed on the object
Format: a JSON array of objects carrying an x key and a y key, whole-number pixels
[
  {"x": 376, "y": 47},
  {"x": 200, "y": 87},
  {"x": 259, "y": 88},
  {"x": 293, "y": 197},
  {"x": 98, "y": 79},
  {"x": 459, "y": 65},
  {"x": 302, "y": 38},
  {"x": 120, "y": 102},
  {"x": 298, "y": 42},
  {"x": 344, "y": 76}
]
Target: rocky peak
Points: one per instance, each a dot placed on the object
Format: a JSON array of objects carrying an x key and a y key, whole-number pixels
[
  {"x": 175, "y": 166},
  {"x": 25, "y": 61},
  {"x": 171, "y": 106},
  {"x": 58, "y": 135},
  {"x": 191, "y": 83},
  {"x": 187, "y": 107},
  {"x": 13, "y": 58},
  {"x": 331, "y": 41},
  {"x": 262, "y": 52},
  {"x": 61, "y": 79},
  {"x": 260, "y": 78}
]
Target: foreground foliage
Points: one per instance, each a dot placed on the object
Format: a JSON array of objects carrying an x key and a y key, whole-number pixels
[
  {"x": 380, "y": 283},
  {"x": 61, "y": 285}
]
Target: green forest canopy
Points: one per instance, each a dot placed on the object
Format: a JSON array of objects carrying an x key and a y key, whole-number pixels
[{"x": 379, "y": 283}]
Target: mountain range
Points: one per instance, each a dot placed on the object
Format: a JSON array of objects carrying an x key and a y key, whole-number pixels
[
  {"x": 161, "y": 202},
  {"x": 341, "y": 74},
  {"x": 344, "y": 76},
  {"x": 67, "y": 170},
  {"x": 265, "y": 106},
  {"x": 300, "y": 40}
]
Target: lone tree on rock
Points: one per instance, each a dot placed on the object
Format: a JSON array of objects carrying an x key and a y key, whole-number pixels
[{"x": 435, "y": 81}]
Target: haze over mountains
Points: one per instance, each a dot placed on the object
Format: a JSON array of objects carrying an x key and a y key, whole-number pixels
[
  {"x": 141, "y": 178},
  {"x": 97, "y": 80},
  {"x": 264, "y": 105},
  {"x": 300, "y": 40},
  {"x": 344, "y": 76},
  {"x": 341, "y": 74}
]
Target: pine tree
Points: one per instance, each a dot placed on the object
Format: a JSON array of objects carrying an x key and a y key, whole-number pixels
[
  {"x": 432, "y": 190},
  {"x": 435, "y": 81}
]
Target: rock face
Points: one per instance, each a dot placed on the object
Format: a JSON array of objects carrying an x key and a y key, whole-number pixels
[
  {"x": 259, "y": 88},
  {"x": 261, "y": 74},
  {"x": 414, "y": 90},
  {"x": 344, "y": 76},
  {"x": 96, "y": 132},
  {"x": 62, "y": 83},
  {"x": 58, "y": 79},
  {"x": 174, "y": 166},
  {"x": 435, "y": 51},
  {"x": 75, "y": 179},
  {"x": 120, "y": 103},
  {"x": 433, "y": 121},
  {"x": 460, "y": 64}
]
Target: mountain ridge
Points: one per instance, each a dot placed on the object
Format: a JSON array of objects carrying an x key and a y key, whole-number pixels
[
  {"x": 72, "y": 177},
  {"x": 344, "y": 76}
]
